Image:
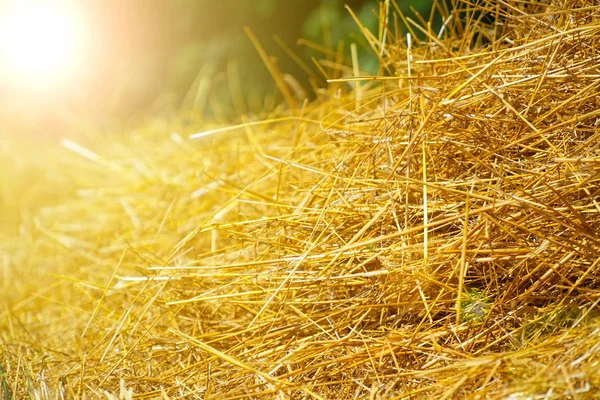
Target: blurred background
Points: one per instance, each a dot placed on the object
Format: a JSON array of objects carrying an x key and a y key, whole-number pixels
[
  {"x": 95, "y": 70},
  {"x": 66, "y": 63}
]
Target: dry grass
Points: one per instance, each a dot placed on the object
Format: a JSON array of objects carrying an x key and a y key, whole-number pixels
[{"x": 427, "y": 233}]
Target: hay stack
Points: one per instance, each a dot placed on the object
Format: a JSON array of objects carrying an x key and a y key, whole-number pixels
[{"x": 429, "y": 233}]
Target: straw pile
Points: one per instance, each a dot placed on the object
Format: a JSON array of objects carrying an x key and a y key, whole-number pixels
[{"x": 428, "y": 233}]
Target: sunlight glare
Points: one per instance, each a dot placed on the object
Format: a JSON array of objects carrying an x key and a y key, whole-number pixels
[{"x": 41, "y": 42}]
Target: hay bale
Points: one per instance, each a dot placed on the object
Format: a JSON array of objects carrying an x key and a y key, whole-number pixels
[{"x": 430, "y": 232}]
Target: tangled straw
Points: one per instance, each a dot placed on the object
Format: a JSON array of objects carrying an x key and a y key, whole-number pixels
[{"x": 427, "y": 233}]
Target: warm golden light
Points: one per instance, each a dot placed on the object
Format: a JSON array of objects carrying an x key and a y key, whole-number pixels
[{"x": 41, "y": 42}]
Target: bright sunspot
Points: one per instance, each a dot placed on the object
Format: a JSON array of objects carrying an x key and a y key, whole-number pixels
[{"x": 41, "y": 42}]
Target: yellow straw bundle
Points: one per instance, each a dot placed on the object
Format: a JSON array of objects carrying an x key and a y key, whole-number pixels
[{"x": 428, "y": 233}]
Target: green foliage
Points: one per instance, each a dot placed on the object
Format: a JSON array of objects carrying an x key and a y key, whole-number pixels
[
  {"x": 5, "y": 395},
  {"x": 548, "y": 321},
  {"x": 332, "y": 24},
  {"x": 213, "y": 49},
  {"x": 475, "y": 306}
]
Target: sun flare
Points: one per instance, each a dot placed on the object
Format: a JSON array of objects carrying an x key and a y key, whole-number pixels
[{"x": 40, "y": 41}]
